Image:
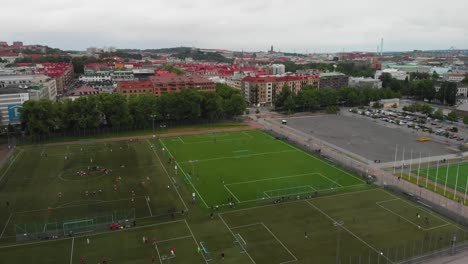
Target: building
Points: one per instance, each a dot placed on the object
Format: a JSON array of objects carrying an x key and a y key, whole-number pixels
[
  {"x": 104, "y": 77},
  {"x": 261, "y": 91},
  {"x": 62, "y": 73},
  {"x": 83, "y": 90},
  {"x": 333, "y": 80},
  {"x": 454, "y": 77},
  {"x": 278, "y": 69},
  {"x": 397, "y": 74},
  {"x": 129, "y": 88},
  {"x": 175, "y": 84},
  {"x": 17, "y": 44},
  {"x": 364, "y": 82},
  {"x": 387, "y": 103},
  {"x": 408, "y": 67},
  {"x": 11, "y": 100},
  {"x": 124, "y": 75},
  {"x": 10, "y": 57},
  {"x": 35, "y": 82}
]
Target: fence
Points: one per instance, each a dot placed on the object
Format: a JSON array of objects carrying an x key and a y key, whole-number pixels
[{"x": 74, "y": 225}]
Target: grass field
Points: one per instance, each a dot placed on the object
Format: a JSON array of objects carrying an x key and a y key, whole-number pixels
[
  {"x": 447, "y": 173},
  {"x": 250, "y": 167},
  {"x": 31, "y": 184}
]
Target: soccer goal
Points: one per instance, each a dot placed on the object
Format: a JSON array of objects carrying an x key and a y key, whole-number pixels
[
  {"x": 240, "y": 242},
  {"x": 80, "y": 226},
  {"x": 204, "y": 250}
]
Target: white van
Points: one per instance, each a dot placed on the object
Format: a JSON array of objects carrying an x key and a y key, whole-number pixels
[{"x": 284, "y": 122}]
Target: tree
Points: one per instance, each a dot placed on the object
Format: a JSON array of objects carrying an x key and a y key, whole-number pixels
[
  {"x": 327, "y": 96},
  {"x": 447, "y": 93},
  {"x": 38, "y": 117},
  {"x": 465, "y": 80},
  {"x": 234, "y": 106},
  {"x": 435, "y": 76},
  {"x": 143, "y": 109},
  {"x": 394, "y": 105},
  {"x": 453, "y": 116},
  {"x": 281, "y": 98},
  {"x": 426, "y": 109},
  {"x": 438, "y": 114},
  {"x": 386, "y": 78},
  {"x": 377, "y": 105},
  {"x": 114, "y": 108},
  {"x": 465, "y": 120},
  {"x": 212, "y": 106},
  {"x": 289, "y": 105}
]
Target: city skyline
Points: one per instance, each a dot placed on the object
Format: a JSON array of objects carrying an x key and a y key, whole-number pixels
[{"x": 302, "y": 26}]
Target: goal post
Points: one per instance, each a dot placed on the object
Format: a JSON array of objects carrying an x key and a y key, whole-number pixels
[
  {"x": 204, "y": 250},
  {"x": 240, "y": 242},
  {"x": 80, "y": 226}
]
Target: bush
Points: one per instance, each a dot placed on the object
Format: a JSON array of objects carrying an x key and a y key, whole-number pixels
[
  {"x": 394, "y": 105},
  {"x": 257, "y": 111},
  {"x": 331, "y": 109}
]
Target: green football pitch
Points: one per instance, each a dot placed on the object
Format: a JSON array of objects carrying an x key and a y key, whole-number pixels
[
  {"x": 321, "y": 206},
  {"x": 249, "y": 166},
  {"x": 447, "y": 174}
]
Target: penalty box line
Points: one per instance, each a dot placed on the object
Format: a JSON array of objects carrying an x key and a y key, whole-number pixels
[
  {"x": 241, "y": 156},
  {"x": 189, "y": 180},
  {"x": 406, "y": 219},
  {"x": 349, "y": 231},
  {"x": 272, "y": 234}
]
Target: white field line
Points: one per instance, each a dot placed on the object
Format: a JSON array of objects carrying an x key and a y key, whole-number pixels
[
  {"x": 91, "y": 234},
  {"x": 194, "y": 239},
  {"x": 159, "y": 255},
  {"x": 277, "y": 239},
  {"x": 248, "y": 225},
  {"x": 427, "y": 211},
  {"x": 247, "y": 134},
  {"x": 319, "y": 190},
  {"x": 270, "y": 179},
  {"x": 409, "y": 221},
  {"x": 190, "y": 181},
  {"x": 295, "y": 201},
  {"x": 293, "y": 147},
  {"x": 233, "y": 195},
  {"x": 211, "y": 141},
  {"x": 149, "y": 207},
  {"x": 422, "y": 209},
  {"x": 230, "y": 230},
  {"x": 181, "y": 140},
  {"x": 349, "y": 231},
  {"x": 4, "y": 228},
  {"x": 242, "y": 150},
  {"x": 67, "y": 205},
  {"x": 71, "y": 253},
  {"x": 330, "y": 179},
  {"x": 291, "y": 188},
  {"x": 9, "y": 166},
  {"x": 172, "y": 239},
  {"x": 241, "y": 156},
  {"x": 168, "y": 176}
]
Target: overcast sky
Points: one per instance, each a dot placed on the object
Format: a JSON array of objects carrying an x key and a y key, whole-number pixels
[{"x": 252, "y": 25}]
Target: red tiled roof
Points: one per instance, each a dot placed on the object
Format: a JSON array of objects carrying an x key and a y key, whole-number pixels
[{"x": 8, "y": 54}]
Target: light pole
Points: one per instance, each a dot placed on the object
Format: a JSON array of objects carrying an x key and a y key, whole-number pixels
[
  {"x": 8, "y": 136},
  {"x": 338, "y": 224}
]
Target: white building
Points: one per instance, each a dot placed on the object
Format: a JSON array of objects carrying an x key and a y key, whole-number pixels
[
  {"x": 397, "y": 74},
  {"x": 365, "y": 82},
  {"x": 278, "y": 69},
  {"x": 95, "y": 78},
  {"x": 10, "y": 102},
  {"x": 30, "y": 81}
]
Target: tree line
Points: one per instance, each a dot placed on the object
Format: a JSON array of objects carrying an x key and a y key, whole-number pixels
[
  {"x": 44, "y": 117},
  {"x": 312, "y": 99},
  {"x": 422, "y": 86}
]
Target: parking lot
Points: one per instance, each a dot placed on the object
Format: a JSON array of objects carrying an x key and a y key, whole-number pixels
[{"x": 367, "y": 138}]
